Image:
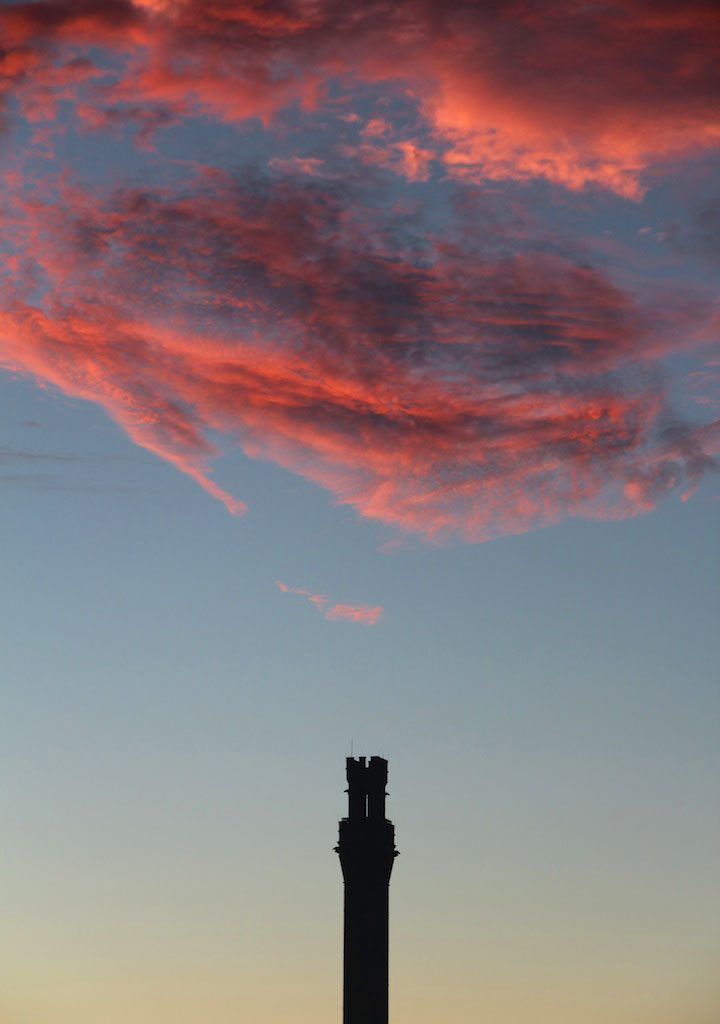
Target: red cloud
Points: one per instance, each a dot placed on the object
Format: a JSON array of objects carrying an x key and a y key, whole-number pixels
[
  {"x": 354, "y": 612},
  {"x": 580, "y": 94},
  {"x": 450, "y": 392}
]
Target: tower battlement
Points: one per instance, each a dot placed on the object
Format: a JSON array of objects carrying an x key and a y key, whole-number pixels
[{"x": 366, "y": 787}]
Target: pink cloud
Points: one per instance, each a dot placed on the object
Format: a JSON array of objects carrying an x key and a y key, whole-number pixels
[
  {"x": 312, "y": 166},
  {"x": 580, "y": 94},
  {"x": 465, "y": 394},
  {"x": 404, "y": 157},
  {"x": 353, "y": 612}
]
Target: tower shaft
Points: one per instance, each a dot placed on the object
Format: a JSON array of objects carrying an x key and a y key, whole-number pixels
[{"x": 367, "y": 851}]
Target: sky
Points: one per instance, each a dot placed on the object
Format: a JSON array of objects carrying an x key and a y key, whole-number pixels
[{"x": 359, "y": 377}]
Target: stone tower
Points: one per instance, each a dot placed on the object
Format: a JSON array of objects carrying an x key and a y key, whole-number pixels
[{"x": 367, "y": 851}]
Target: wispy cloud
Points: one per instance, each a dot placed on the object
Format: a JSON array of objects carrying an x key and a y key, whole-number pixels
[
  {"x": 355, "y": 612},
  {"x": 422, "y": 377},
  {"x": 364, "y": 613}
]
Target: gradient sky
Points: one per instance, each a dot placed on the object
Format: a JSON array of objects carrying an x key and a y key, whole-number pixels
[{"x": 359, "y": 382}]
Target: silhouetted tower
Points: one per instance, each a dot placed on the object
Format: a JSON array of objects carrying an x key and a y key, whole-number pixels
[{"x": 367, "y": 851}]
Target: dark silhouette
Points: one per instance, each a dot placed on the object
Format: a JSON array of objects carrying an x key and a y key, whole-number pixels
[{"x": 367, "y": 851}]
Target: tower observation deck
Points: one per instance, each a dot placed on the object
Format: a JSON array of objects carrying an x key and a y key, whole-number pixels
[{"x": 367, "y": 851}]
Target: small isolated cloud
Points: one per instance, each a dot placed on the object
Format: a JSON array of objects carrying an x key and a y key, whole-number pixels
[{"x": 354, "y": 612}]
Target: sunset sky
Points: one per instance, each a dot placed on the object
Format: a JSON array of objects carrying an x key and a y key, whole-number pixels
[{"x": 359, "y": 386}]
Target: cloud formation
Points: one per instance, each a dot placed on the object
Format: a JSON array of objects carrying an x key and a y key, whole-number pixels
[
  {"x": 364, "y": 613},
  {"x": 426, "y": 380},
  {"x": 344, "y": 309},
  {"x": 579, "y": 94}
]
